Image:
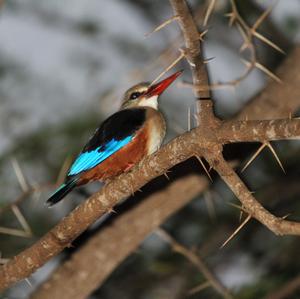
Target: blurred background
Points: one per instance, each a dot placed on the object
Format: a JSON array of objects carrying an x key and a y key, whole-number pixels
[{"x": 63, "y": 68}]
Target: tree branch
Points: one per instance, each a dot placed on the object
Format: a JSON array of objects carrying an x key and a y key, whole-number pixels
[
  {"x": 193, "y": 51},
  {"x": 259, "y": 130},
  {"x": 61, "y": 236},
  {"x": 110, "y": 246},
  {"x": 276, "y": 224}
]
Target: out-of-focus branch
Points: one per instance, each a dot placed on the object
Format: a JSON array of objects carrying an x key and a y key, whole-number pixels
[
  {"x": 110, "y": 246},
  {"x": 287, "y": 290},
  {"x": 198, "y": 262}
]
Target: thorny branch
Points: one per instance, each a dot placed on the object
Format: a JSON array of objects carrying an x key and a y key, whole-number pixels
[
  {"x": 79, "y": 261},
  {"x": 210, "y": 126},
  {"x": 203, "y": 141},
  {"x": 118, "y": 240}
]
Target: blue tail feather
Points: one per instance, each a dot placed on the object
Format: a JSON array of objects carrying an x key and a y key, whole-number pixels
[{"x": 61, "y": 192}]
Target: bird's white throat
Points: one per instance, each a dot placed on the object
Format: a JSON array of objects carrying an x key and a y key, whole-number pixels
[{"x": 149, "y": 102}]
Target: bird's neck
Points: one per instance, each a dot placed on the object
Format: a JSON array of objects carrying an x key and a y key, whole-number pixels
[{"x": 149, "y": 102}]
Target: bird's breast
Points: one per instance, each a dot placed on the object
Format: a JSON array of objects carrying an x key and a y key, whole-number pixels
[{"x": 156, "y": 127}]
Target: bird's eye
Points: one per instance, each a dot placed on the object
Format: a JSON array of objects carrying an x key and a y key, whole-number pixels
[{"x": 135, "y": 95}]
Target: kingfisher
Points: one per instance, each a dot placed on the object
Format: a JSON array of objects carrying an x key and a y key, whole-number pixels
[{"x": 122, "y": 140}]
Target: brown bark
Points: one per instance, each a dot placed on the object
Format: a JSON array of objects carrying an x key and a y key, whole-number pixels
[
  {"x": 258, "y": 130},
  {"x": 193, "y": 51},
  {"x": 89, "y": 267}
]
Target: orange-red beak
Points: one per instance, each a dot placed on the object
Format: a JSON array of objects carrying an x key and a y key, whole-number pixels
[{"x": 158, "y": 88}]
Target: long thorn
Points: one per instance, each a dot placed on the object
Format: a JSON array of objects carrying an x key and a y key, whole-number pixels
[
  {"x": 162, "y": 25},
  {"x": 63, "y": 171},
  {"x": 254, "y": 156},
  {"x": 202, "y": 34},
  {"x": 28, "y": 282},
  {"x": 209, "y": 11},
  {"x": 199, "y": 288},
  {"x": 237, "y": 230},
  {"x": 166, "y": 175},
  {"x": 13, "y": 232},
  {"x": 240, "y": 208},
  {"x": 267, "y": 72},
  {"x": 202, "y": 164},
  {"x": 20, "y": 176},
  {"x": 181, "y": 56},
  {"x": 21, "y": 219},
  {"x": 262, "y": 17},
  {"x": 268, "y": 42},
  {"x": 209, "y": 202},
  {"x": 275, "y": 155}
]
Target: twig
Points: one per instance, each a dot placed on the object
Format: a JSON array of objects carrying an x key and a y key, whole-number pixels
[{"x": 196, "y": 261}]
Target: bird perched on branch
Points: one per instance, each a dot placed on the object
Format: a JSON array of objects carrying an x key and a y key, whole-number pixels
[{"x": 122, "y": 140}]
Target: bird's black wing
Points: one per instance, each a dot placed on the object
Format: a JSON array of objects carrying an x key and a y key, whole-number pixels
[{"x": 114, "y": 133}]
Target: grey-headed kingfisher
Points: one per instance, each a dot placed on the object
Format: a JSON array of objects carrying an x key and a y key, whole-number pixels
[{"x": 122, "y": 140}]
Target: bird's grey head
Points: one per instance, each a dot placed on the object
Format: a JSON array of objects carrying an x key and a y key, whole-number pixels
[
  {"x": 136, "y": 96},
  {"x": 146, "y": 94}
]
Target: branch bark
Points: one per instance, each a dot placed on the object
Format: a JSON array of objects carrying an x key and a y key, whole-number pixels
[
  {"x": 193, "y": 50},
  {"x": 276, "y": 224},
  {"x": 110, "y": 246},
  {"x": 259, "y": 130}
]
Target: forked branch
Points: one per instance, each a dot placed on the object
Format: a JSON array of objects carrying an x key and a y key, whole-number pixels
[{"x": 203, "y": 141}]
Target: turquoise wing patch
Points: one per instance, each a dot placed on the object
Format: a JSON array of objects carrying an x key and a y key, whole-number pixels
[{"x": 90, "y": 159}]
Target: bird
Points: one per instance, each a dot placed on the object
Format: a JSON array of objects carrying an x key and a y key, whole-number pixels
[{"x": 122, "y": 140}]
